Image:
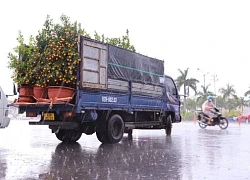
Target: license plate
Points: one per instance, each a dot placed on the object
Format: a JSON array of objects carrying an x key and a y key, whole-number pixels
[{"x": 48, "y": 116}]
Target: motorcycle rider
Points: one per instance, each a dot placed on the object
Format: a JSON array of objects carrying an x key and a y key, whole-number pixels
[{"x": 208, "y": 108}]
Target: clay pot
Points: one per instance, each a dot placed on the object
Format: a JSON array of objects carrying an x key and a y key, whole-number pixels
[
  {"x": 25, "y": 91},
  {"x": 60, "y": 92},
  {"x": 40, "y": 92}
]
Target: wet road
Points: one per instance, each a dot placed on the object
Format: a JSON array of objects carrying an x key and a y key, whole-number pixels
[{"x": 33, "y": 152}]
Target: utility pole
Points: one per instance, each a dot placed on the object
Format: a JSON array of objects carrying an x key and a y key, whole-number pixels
[
  {"x": 215, "y": 79},
  {"x": 204, "y": 76}
]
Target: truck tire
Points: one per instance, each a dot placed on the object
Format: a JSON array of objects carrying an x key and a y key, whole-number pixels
[
  {"x": 168, "y": 128},
  {"x": 115, "y": 128},
  {"x": 102, "y": 130},
  {"x": 102, "y": 136},
  {"x": 68, "y": 135}
]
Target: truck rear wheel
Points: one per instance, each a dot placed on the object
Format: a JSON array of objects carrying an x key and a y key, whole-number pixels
[
  {"x": 68, "y": 135},
  {"x": 168, "y": 128},
  {"x": 111, "y": 131},
  {"x": 115, "y": 128},
  {"x": 101, "y": 131}
]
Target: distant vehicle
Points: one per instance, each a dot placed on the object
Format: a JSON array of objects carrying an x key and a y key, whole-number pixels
[
  {"x": 243, "y": 117},
  {"x": 4, "y": 119}
]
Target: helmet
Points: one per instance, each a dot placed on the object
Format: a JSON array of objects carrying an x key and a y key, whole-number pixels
[{"x": 209, "y": 98}]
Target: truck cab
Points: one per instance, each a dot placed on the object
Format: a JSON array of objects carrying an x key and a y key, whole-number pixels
[
  {"x": 173, "y": 98},
  {"x": 4, "y": 119}
]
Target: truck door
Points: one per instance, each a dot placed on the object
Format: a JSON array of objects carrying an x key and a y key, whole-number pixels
[{"x": 173, "y": 98}]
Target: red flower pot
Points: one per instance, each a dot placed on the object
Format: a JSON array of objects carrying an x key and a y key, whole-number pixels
[
  {"x": 40, "y": 92},
  {"x": 25, "y": 91},
  {"x": 25, "y": 94},
  {"x": 56, "y": 92}
]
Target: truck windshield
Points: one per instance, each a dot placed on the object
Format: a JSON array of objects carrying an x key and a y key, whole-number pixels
[{"x": 171, "y": 88}]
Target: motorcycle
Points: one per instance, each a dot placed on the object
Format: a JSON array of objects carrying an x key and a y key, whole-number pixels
[{"x": 220, "y": 120}]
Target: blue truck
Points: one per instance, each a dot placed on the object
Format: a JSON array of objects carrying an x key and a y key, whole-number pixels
[{"x": 117, "y": 91}]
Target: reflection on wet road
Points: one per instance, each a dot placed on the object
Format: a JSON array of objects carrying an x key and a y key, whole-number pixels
[{"x": 33, "y": 152}]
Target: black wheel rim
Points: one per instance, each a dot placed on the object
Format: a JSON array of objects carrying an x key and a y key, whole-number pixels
[{"x": 116, "y": 129}]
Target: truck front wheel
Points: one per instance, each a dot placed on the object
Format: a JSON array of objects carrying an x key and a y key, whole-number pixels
[
  {"x": 168, "y": 127},
  {"x": 68, "y": 135}
]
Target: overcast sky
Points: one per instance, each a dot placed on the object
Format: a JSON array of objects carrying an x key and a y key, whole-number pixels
[{"x": 213, "y": 35}]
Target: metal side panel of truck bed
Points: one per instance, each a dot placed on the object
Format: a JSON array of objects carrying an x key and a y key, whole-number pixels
[
  {"x": 119, "y": 101},
  {"x": 106, "y": 67}
]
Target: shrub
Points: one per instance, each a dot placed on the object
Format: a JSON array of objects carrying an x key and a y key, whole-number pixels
[{"x": 187, "y": 115}]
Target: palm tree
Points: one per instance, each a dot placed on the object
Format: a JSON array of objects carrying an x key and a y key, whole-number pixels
[
  {"x": 247, "y": 93},
  {"x": 228, "y": 92},
  {"x": 231, "y": 104},
  {"x": 241, "y": 102},
  {"x": 220, "y": 102},
  {"x": 182, "y": 80},
  {"x": 202, "y": 96}
]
